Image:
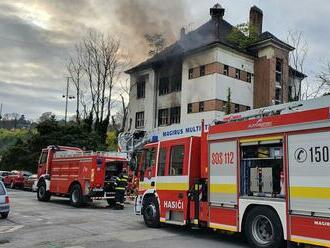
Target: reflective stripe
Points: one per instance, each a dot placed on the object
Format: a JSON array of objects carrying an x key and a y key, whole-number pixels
[
  {"x": 310, "y": 192},
  {"x": 119, "y": 188}
]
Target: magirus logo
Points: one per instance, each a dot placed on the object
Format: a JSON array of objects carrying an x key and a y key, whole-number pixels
[{"x": 260, "y": 124}]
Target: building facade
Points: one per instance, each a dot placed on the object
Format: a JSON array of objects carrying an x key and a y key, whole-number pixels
[{"x": 205, "y": 75}]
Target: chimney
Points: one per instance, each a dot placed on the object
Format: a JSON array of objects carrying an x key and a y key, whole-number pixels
[
  {"x": 256, "y": 17},
  {"x": 217, "y": 12},
  {"x": 182, "y": 33}
]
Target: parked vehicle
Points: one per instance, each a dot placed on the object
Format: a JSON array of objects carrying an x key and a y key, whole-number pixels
[
  {"x": 15, "y": 179},
  {"x": 30, "y": 183},
  {"x": 264, "y": 173},
  {"x": 82, "y": 176},
  {"x": 4, "y": 201},
  {"x": 3, "y": 174}
]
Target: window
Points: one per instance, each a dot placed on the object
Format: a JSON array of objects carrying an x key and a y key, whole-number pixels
[
  {"x": 140, "y": 89},
  {"x": 191, "y": 73},
  {"x": 162, "y": 117},
  {"x": 175, "y": 83},
  {"x": 202, "y": 70},
  {"x": 236, "y": 108},
  {"x": 139, "y": 120},
  {"x": 238, "y": 74},
  {"x": 175, "y": 115},
  {"x": 225, "y": 70},
  {"x": 164, "y": 86},
  {"x": 248, "y": 108},
  {"x": 176, "y": 160},
  {"x": 278, "y": 71},
  {"x": 2, "y": 190},
  {"x": 189, "y": 108},
  {"x": 43, "y": 158},
  {"x": 249, "y": 77},
  {"x": 161, "y": 162},
  {"x": 278, "y": 96},
  {"x": 150, "y": 158},
  {"x": 201, "y": 106}
]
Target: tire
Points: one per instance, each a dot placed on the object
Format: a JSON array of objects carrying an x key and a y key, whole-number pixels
[
  {"x": 150, "y": 211},
  {"x": 42, "y": 193},
  {"x": 76, "y": 197},
  {"x": 4, "y": 215},
  {"x": 111, "y": 202},
  {"x": 263, "y": 228}
]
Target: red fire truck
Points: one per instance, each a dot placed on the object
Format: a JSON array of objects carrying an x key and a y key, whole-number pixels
[
  {"x": 265, "y": 173},
  {"x": 81, "y": 175}
]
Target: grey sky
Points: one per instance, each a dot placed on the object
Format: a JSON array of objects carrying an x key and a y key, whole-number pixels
[{"x": 36, "y": 36}]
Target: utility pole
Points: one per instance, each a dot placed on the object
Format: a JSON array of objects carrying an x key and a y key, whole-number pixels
[{"x": 66, "y": 99}]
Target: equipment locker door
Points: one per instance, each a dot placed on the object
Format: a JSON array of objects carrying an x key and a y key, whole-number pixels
[
  {"x": 223, "y": 173},
  {"x": 309, "y": 172}
]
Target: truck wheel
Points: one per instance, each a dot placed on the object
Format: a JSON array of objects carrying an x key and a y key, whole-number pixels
[
  {"x": 150, "y": 211},
  {"x": 43, "y": 194},
  {"x": 76, "y": 197},
  {"x": 263, "y": 228},
  {"x": 4, "y": 215},
  {"x": 111, "y": 202}
]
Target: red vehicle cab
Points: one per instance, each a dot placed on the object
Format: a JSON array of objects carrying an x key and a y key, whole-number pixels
[{"x": 15, "y": 179}]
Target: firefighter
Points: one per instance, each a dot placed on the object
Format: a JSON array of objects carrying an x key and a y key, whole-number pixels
[{"x": 121, "y": 184}]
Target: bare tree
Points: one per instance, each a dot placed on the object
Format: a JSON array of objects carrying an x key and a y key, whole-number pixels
[
  {"x": 324, "y": 80},
  {"x": 297, "y": 59},
  {"x": 95, "y": 66}
]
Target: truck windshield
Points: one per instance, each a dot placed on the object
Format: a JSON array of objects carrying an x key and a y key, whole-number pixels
[
  {"x": 43, "y": 158},
  {"x": 2, "y": 189}
]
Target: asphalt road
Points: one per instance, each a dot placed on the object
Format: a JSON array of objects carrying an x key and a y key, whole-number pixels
[{"x": 56, "y": 224}]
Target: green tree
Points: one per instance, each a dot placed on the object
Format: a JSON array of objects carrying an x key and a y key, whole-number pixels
[{"x": 243, "y": 35}]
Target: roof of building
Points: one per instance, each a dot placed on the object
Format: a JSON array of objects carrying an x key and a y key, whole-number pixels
[
  {"x": 296, "y": 73},
  {"x": 215, "y": 31}
]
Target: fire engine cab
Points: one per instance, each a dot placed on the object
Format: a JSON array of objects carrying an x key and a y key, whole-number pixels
[
  {"x": 83, "y": 176},
  {"x": 263, "y": 172}
]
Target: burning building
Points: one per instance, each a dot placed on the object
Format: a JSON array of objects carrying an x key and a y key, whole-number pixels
[{"x": 205, "y": 74}]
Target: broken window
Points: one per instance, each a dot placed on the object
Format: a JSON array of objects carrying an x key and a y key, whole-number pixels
[
  {"x": 139, "y": 120},
  {"x": 176, "y": 83},
  {"x": 175, "y": 115},
  {"x": 236, "y": 108},
  {"x": 162, "y": 117},
  {"x": 164, "y": 86},
  {"x": 202, "y": 70},
  {"x": 278, "y": 71},
  {"x": 140, "y": 89}
]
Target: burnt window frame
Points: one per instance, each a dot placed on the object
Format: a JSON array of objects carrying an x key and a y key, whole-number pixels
[
  {"x": 165, "y": 110},
  {"x": 138, "y": 121},
  {"x": 180, "y": 161},
  {"x": 164, "y": 88},
  {"x": 175, "y": 83},
  {"x": 202, "y": 70},
  {"x": 177, "y": 112},
  {"x": 140, "y": 89}
]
